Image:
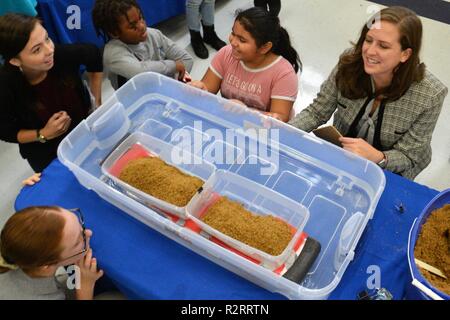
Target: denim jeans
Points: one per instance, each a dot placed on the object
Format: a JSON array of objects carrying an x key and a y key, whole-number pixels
[{"x": 196, "y": 9}]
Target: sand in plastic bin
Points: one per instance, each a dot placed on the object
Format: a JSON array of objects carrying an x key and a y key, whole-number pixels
[
  {"x": 433, "y": 247},
  {"x": 265, "y": 233},
  {"x": 161, "y": 180}
]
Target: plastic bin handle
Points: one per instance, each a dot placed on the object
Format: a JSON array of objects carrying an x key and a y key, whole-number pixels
[
  {"x": 348, "y": 234},
  {"x": 111, "y": 126},
  {"x": 348, "y": 231}
]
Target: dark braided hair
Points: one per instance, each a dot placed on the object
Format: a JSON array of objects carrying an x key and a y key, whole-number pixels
[
  {"x": 106, "y": 14},
  {"x": 264, "y": 28}
]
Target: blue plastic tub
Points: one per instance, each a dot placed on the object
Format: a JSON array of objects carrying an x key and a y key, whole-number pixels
[{"x": 415, "y": 293}]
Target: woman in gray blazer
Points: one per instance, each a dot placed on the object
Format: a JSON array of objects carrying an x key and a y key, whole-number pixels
[{"x": 386, "y": 102}]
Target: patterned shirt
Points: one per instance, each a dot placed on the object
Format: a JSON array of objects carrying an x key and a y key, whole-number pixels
[{"x": 254, "y": 87}]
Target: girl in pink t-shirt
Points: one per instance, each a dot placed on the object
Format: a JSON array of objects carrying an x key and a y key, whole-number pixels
[{"x": 259, "y": 66}]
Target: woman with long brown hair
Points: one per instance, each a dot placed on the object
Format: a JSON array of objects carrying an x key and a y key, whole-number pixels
[
  {"x": 34, "y": 243},
  {"x": 386, "y": 101},
  {"x": 41, "y": 91}
]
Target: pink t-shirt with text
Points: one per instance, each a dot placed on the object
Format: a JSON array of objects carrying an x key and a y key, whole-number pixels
[{"x": 254, "y": 87}]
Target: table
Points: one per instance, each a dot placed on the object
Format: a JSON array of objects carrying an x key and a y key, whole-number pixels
[
  {"x": 59, "y": 17},
  {"x": 146, "y": 265}
]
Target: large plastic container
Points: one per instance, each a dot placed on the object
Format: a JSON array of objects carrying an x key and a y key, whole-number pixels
[
  {"x": 339, "y": 189},
  {"x": 420, "y": 288},
  {"x": 195, "y": 166},
  {"x": 255, "y": 198}
]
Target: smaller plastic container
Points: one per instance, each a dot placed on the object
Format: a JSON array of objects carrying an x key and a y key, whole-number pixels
[
  {"x": 139, "y": 145},
  {"x": 255, "y": 198}
]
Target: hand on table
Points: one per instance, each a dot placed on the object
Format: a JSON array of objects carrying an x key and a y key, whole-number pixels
[{"x": 30, "y": 181}]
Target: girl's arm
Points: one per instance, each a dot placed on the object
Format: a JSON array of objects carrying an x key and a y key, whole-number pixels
[
  {"x": 210, "y": 82},
  {"x": 95, "y": 84},
  {"x": 175, "y": 52},
  {"x": 280, "y": 109}
]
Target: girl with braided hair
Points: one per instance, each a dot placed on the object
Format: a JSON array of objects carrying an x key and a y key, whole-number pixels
[{"x": 131, "y": 47}]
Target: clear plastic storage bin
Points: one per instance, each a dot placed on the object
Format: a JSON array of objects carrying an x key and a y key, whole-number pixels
[{"x": 339, "y": 189}]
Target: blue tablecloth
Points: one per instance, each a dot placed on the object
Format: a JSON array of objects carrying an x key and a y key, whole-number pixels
[
  {"x": 18, "y": 6},
  {"x": 57, "y": 13},
  {"x": 145, "y": 264}
]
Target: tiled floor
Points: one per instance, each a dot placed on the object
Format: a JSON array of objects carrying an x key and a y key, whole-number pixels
[{"x": 320, "y": 30}]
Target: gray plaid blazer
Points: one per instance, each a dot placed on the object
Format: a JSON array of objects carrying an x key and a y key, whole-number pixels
[{"x": 405, "y": 128}]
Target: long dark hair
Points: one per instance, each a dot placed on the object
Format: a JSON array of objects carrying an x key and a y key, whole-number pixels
[
  {"x": 354, "y": 82},
  {"x": 15, "y": 31},
  {"x": 266, "y": 28},
  {"x": 106, "y": 14}
]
